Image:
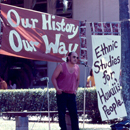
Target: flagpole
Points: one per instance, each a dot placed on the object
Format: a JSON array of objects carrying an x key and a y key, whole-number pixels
[
  {"x": 84, "y": 96},
  {"x": 83, "y": 62},
  {"x": 48, "y": 103}
]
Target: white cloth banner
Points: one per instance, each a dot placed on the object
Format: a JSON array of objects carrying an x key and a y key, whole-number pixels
[{"x": 106, "y": 69}]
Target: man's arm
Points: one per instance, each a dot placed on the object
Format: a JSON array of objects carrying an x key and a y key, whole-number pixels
[
  {"x": 88, "y": 84},
  {"x": 78, "y": 80},
  {"x": 56, "y": 73}
]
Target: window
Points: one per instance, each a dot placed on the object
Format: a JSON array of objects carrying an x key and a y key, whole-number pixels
[{"x": 40, "y": 72}]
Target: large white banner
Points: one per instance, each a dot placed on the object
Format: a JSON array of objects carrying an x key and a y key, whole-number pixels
[{"x": 106, "y": 69}]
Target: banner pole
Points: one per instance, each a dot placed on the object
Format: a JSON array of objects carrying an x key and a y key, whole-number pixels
[
  {"x": 84, "y": 103},
  {"x": 83, "y": 62},
  {"x": 48, "y": 103},
  {"x": 84, "y": 96},
  {"x": 85, "y": 78}
]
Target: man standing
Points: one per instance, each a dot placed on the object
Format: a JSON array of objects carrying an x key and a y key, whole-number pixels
[{"x": 66, "y": 81}]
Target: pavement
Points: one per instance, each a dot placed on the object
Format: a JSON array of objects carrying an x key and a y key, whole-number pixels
[{"x": 35, "y": 125}]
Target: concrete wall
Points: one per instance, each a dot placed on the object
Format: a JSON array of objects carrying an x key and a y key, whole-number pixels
[
  {"x": 94, "y": 11},
  {"x": 51, "y": 68}
]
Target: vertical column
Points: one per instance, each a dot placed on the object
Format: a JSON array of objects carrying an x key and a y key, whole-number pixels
[
  {"x": 51, "y": 6},
  {"x": 28, "y": 4},
  {"x": 21, "y": 123},
  {"x": 125, "y": 53}
]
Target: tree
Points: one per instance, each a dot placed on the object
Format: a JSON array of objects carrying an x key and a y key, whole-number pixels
[{"x": 125, "y": 53}]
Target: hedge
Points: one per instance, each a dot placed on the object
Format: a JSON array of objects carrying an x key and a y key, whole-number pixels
[{"x": 36, "y": 100}]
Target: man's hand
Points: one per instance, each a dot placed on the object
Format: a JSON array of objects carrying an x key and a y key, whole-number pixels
[{"x": 59, "y": 91}]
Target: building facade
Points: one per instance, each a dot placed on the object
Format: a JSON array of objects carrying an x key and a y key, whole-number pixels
[{"x": 26, "y": 72}]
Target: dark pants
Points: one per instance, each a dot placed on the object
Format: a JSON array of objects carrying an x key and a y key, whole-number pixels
[{"x": 68, "y": 101}]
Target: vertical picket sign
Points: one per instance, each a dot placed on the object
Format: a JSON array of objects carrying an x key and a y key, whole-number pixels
[{"x": 106, "y": 68}]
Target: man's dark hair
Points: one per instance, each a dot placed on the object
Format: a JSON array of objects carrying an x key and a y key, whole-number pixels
[
  {"x": 91, "y": 72},
  {"x": 67, "y": 60}
]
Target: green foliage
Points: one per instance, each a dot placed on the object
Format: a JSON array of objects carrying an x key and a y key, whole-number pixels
[
  {"x": 25, "y": 99},
  {"x": 91, "y": 103},
  {"x": 36, "y": 100}
]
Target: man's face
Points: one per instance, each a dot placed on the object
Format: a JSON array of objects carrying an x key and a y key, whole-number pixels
[{"x": 74, "y": 58}]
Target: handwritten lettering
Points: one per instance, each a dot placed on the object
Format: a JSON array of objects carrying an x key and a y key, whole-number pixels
[
  {"x": 17, "y": 47},
  {"x": 48, "y": 24},
  {"x": 106, "y": 66},
  {"x": 25, "y": 22},
  {"x": 107, "y": 76},
  {"x": 107, "y": 95},
  {"x": 58, "y": 47},
  {"x": 103, "y": 49},
  {"x": 99, "y": 65},
  {"x": 112, "y": 108}
]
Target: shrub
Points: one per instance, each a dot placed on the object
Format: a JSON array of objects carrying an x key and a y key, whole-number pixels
[
  {"x": 36, "y": 100},
  {"x": 91, "y": 103}
]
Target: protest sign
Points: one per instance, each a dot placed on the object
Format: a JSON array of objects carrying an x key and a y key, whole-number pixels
[
  {"x": 36, "y": 35},
  {"x": 106, "y": 69}
]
